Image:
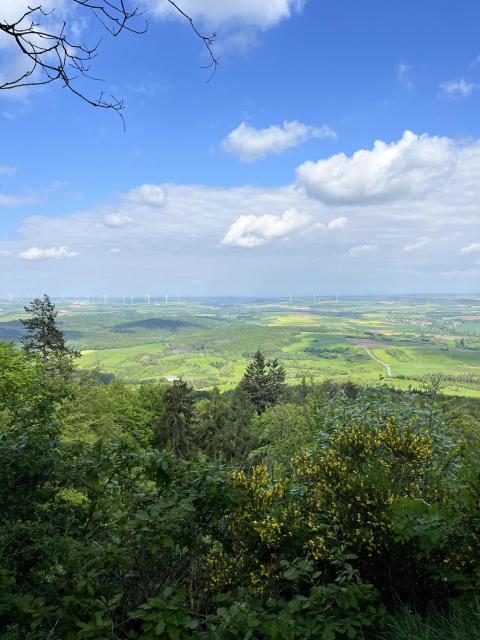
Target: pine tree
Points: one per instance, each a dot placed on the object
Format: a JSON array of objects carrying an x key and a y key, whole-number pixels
[
  {"x": 43, "y": 336},
  {"x": 178, "y": 419},
  {"x": 263, "y": 382}
]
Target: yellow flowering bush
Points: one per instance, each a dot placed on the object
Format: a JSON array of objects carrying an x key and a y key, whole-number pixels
[{"x": 341, "y": 500}]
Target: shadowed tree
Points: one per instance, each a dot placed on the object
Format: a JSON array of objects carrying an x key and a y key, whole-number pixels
[
  {"x": 224, "y": 432},
  {"x": 178, "y": 419}
]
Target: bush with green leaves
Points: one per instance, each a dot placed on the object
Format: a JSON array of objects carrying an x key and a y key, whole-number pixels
[{"x": 144, "y": 512}]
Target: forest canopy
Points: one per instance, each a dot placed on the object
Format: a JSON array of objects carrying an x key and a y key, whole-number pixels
[{"x": 145, "y": 511}]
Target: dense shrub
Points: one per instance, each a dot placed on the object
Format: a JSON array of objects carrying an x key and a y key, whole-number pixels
[{"x": 120, "y": 520}]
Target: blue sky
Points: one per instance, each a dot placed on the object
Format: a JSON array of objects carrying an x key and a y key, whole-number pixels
[{"x": 238, "y": 186}]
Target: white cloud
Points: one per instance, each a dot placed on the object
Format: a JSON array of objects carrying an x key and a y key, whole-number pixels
[
  {"x": 422, "y": 242},
  {"x": 403, "y": 76},
  {"x": 337, "y": 223},
  {"x": 253, "y": 231},
  {"x": 471, "y": 248},
  {"x": 248, "y": 13},
  {"x": 52, "y": 253},
  {"x": 458, "y": 88},
  {"x": 7, "y": 170},
  {"x": 179, "y": 241},
  {"x": 116, "y": 220},
  {"x": 114, "y": 250},
  {"x": 410, "y": 167},
  {"x": 251, "y": 144},
  {"x": 361, "y": 249},
  {"x": 11, "y": 201},
  {"x": 462, "y": 273},
  {"x": 150, "y": 195},
  {"x": 475, "y": 63},
  {"x": 332, "y": 225},
  {"x": 14, "y": 9}
]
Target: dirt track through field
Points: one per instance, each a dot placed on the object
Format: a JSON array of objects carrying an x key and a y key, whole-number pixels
[{"x": 384, "y": 364}]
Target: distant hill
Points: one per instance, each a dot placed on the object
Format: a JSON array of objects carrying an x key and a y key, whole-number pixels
[
  {"x": 152, "y": 324},
  {"x": 11, "y": 330}
]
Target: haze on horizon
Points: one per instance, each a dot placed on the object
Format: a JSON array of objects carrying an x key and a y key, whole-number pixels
[{"x": 337, "y": 150}]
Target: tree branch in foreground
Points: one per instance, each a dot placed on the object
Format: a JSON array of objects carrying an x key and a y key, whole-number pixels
[{"x": 53, "y": 56}]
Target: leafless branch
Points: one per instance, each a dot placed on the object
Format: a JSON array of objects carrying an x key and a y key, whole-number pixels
[
  {"x": 52, "y": 55},
  {"x": 208, "y": 41}
]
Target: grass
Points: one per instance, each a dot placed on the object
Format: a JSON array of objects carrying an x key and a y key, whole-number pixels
[
  {"x": 464, "y": 625},
  {"x": 210, "y": 342}
]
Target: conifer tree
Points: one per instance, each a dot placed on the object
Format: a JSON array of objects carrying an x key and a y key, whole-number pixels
[
  {"x": 263, "y": 382},
  {"x": 179, "y": 418},
  {"x": 43, "y": 337}
]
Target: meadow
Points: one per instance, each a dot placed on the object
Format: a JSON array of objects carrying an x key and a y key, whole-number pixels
[{"x": 399, "y": 341}]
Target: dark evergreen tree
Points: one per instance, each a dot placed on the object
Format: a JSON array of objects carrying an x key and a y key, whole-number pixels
[
  {"x": 225, "y": 432},
  {"x": 263, "y": 382},
  {"x": 43, "y": 336},
  {"x": 178, "y": 418}
]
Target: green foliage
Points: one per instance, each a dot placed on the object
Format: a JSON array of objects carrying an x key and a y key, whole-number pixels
[
  {"x": 263, "y": 382},
  {"x": 281, "y": 430},
  {"x": 177, "y": 418},
  {"x": 225, "y": 431},
  {"x": 119, "y": 521},
  {"x": 458, "y": 624},
  {"x": 341, "y": 609},
  {"x": 43, "y": 337},
  {"x": 166, "y": 617}
]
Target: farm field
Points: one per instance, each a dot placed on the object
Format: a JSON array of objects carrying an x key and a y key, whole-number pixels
[{"x": 397, "y": 341}]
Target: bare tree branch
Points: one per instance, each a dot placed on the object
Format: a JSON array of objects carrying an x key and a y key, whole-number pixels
[
  {"x": 208, "y": 41},
  {"x": 52, "y": 56}
]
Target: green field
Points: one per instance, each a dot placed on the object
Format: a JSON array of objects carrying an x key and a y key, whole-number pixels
[{"x": 398, "y": 341}]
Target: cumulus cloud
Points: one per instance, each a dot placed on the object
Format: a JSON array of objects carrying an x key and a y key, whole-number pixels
[
  {"x": 251, "y": 144},
  {"x": 471, "y": 248},
  {"x": 457, "y": 89},
  {"x": 361, "y": 249},
  {"x": 422, "y": 242},
  {"x": 150, "y": 195},
  {"x": 410, "y": 167},
  {"x": 14, "y": 9},
  {"x": 248, "y": 13},
  {"x": 332, "y": 225},
  {"x": 52, "y": 253},
  {"x": 116, "y": 220},
  {"x": 337, "y": 223},
  {"x": 49, "y": 18},
  {"x": 253, "y": 231},
  {"x": 181, "y": 240}
]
